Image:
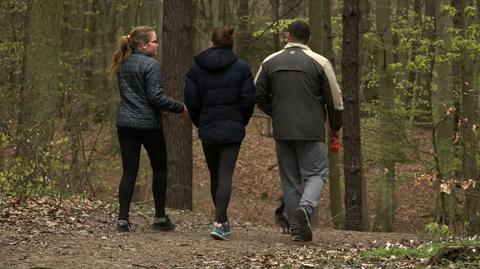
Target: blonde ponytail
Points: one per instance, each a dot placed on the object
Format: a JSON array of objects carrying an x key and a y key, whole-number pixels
[
  {"x": 126, "y": 45},
  {"x": 119, "y": 56}
]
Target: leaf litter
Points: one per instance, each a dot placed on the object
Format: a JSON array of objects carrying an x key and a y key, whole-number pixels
[{"x": 80, "y": 233}]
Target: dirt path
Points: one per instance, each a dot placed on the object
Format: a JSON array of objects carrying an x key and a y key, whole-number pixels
[{"x": 81, "y": 234}]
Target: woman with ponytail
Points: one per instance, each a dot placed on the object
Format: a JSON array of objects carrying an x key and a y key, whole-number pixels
[
  {"x": 139, "y": 120},
  {"x": 220, "y": 96}
]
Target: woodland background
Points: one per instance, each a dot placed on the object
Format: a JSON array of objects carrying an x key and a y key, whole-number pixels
[{"x": 408, "y": 70}]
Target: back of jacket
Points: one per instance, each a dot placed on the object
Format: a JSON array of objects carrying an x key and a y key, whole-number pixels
[
  {"x": 297, "y": 87},
  {"x": 142, "y": 94},
  {"x": 220, "y": 96}
]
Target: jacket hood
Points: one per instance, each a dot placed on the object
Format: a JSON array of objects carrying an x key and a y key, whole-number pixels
[{"x": 215, "y": 59}]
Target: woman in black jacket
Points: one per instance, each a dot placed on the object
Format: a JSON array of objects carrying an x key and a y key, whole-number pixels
[
  {"x": 139, "y": 120},
  {"x": 220, "y": 96}
]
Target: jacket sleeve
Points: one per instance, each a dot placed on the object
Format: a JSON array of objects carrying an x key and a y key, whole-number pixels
[
  {"x": 156, "y": 93},
  {"x": 332, "y": 95},
  {"x": 247, "y": 96},
  {"x": 263, "y": 94},
  {"x": 193, "y": 99}
]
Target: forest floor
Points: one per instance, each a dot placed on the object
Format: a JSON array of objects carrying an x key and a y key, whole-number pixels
[{"x": 80, "y": 233}]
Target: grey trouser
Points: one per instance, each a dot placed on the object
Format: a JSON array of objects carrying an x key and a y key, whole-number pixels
[{"x": 303, "y": 167}]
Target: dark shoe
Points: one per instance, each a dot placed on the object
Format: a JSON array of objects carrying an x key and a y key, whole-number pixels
[
  {"x": 218, "y": 231},
  {"x": 163, "y": 224},
  {"x": 123, "y": 225},
  {"x": 305, "y": 229},
  {"x": 296, "y": 238},
  {"x": 281, "y": 218}
]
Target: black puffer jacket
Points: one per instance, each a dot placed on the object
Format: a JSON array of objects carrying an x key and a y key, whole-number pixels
[
  {"x": 220, "y": 96},
  {"x": 142, "y": 95}
]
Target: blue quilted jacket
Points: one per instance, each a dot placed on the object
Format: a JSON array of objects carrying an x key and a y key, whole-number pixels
[{"x": 142, "y": 94}]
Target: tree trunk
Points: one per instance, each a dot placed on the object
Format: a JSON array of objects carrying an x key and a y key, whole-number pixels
[
  {"x": 178, "y": 33},
  {"x": 75, "y": 108},
  {"x": 130, "y": 15},
  {"x": 146, "y": 12},
  {"x": 216, "y": 8},
  {"x": 39, "y": 92},
  {"x": 468, "y": 118},
  {"x": 242, "y": 35},
  {"x": 351, "y": 131},
  {"x": 276, "y": 40},
  {"x": 411, "y": 92},
  {"x": 443, "y": 132},
  {"x": 385, "y": 201},
  {"x": 364, "y": 54},
  {"x": 321, "y": 42},
  {"x": 423, "y": 100}
]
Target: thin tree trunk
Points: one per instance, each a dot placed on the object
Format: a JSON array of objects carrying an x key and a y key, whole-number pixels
[
  {"x": 443, "y": 133},
  {"x": 364, "y": 53},
  {"x": 385, "y": 202},
  {"x": 468, "y": 117},
  {"x": 321, "y": 42},
  {"x": 351, "y": 119},
  {"x": 74, "y": 106},
  {"x": 411, "y": 93},
  {"x": 178, "y": 33},
  {"x": 130, "y": 18},
  {"x": 242, "y": 35},
  {"x": 216, "y": 8},
  {"x": 423, "y": 101},
  {"x": 146, "y": 12},
  {"x": 40, "y": 69},
  {"x": 275, "y": 15}
]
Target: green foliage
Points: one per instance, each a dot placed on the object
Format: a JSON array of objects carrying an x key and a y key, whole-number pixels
[
  {"x": 470, "y": 11},
  {"x": 436, "y": 229},
  {"x": 450, "y": 10},
  {"x": 399, "y": 251},
  {"x": 426, "y": 251}
]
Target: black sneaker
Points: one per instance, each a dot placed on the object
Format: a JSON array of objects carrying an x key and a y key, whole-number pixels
[
  {"x": 296, "y": 238},
  {"x": 123, "y": 225},
  {"x": 305, "y": 229},
  {"x": 163, "y": 224}
]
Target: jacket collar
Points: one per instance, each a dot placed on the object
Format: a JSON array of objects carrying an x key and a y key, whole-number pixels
[
  {"x": 140, "y": 51},
  {"x": 296, "y": 45}
]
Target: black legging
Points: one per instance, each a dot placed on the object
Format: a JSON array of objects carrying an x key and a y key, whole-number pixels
[
  {"x": 131, "y": 141},
  {"x": 221, "y": 160}
]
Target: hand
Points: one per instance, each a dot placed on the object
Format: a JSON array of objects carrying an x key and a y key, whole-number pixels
[
  {"x": 185, "y": 113},
  {"x": 334, "y": 141}
]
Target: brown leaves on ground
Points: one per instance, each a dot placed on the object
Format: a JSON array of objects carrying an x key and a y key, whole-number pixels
[{"x": 80, "y": 233}]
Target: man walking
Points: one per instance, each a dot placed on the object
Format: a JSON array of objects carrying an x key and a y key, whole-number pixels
[{"x": 298, "y": 89}]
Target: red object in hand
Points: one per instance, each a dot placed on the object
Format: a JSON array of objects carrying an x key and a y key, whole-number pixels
[{"x": 335, "y": 146}]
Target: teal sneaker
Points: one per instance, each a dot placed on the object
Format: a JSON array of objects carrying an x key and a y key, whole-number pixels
[
  {"x": 218, "y": 232},
  {"x": 226, "y": 228}
]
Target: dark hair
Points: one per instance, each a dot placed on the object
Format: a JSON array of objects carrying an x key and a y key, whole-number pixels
[
  {"x": 126, "y": 44},
  {"x": 222, "y": 37},
  {"x": 299, "y": 31}
]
